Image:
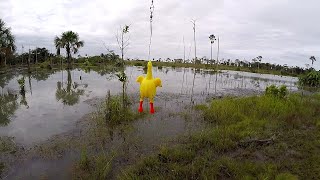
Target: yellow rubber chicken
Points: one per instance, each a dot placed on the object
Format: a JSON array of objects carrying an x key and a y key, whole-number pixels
[{"x": 148, "y": 87}]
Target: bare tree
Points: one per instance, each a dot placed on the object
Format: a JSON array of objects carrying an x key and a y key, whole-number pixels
[
  {"x": 184, "y": 51},
  {"x": 194, "y": 39},
  {"x": 122, "y": 39},
  {"x": 195, "y": 55}
]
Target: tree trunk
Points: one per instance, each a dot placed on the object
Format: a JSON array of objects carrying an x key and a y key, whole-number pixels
[
  {"x": 123, "y": 95},
  {"x": 68, "y": 57},
  {"x": 29, "y": 62},
  {"x": 36, "y": 56},
  {"x": 211, "y": 54},
  {"x": 184, "y": 51},
  {"x": 195, "y": 46},
  {"x": 122, "y": 47}
]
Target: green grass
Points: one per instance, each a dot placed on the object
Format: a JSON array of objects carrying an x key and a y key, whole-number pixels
[
  {"x": 248, "y": 138},
  {"x": 112, "y": 113},
  {"x": 200, "y": 107},
  {"x": 93, "y": 167}
]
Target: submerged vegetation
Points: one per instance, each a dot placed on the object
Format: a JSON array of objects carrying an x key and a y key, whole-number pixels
[{"x": 262, "y": 137}]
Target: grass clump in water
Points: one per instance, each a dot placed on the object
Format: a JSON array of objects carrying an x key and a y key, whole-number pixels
[
  {"x": 264, "y": 137},
  {"x": 93, "y": 167},
  {"x": 115, "y": 110}
]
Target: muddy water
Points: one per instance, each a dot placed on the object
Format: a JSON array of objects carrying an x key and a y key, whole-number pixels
[{"x": 54, "y": 103}]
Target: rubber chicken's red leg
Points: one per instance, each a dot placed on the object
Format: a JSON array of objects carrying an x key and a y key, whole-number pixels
[
  {"x": 151, "y": 108},
  {"x": 140, "y": 107}
]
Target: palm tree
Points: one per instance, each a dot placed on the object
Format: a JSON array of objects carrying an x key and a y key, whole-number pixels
[
  {"x": 7, "y": 40},
  {"x": 212, "y": 39},
  {"x": 70, "y": 41},
  {"x": 313, "y": 59}
]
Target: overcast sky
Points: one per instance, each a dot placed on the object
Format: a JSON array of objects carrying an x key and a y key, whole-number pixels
[{"x": 281, "y": 31}]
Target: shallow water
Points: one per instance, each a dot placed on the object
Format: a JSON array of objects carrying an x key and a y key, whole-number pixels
[{"x": 55, "y": 101}]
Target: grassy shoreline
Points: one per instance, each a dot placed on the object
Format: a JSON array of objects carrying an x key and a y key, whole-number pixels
[
  {"x": 252, "y": 137},
  {"x": 155, "y": 63},
  {"x": 206, "y": 66}
]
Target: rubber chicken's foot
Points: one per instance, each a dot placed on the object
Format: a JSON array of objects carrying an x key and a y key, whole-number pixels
[
  {"x": 140, "y": 107},
  {"x": 151, "y": 108}
]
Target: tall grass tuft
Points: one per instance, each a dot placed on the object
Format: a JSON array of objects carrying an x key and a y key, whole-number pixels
[{"x": 94, "y": 167}]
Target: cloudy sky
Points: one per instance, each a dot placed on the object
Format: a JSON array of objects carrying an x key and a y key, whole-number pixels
[{"x": 281, "y": 31}]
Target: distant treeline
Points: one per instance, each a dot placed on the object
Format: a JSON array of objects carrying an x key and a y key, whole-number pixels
[{"x": 40, "y": 55}]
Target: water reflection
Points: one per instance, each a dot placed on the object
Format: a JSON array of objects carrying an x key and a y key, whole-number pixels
[
  {"x": 70, "y": 94},
  {"x": 5, "y": 78},
  {"x": 54, "y": 100},
  {"x": 8, "y": 106},
  {"x": 23, "y": 100},
  {"x": 42, "y": 75}
]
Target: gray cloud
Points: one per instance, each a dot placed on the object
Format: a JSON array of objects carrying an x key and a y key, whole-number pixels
[{"x": 281, "y": 31}]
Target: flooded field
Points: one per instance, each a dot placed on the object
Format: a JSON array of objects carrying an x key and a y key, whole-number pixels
[{"x": 56, "y": 104}]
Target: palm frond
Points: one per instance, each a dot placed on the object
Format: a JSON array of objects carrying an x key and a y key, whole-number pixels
[{"x": 68, "y": 40}]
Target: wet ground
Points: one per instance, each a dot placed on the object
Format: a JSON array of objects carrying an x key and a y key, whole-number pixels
[{"x": 57, "y": 104}]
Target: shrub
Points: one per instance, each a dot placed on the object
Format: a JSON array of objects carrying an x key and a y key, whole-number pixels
[
  {"x": 273, "y": 90},
  {"x": 87, "y": 63},
  {"x": 311, "y": 79},
  {"x": 45, "y": 64},
  {"x": 138, "y": 64}
]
